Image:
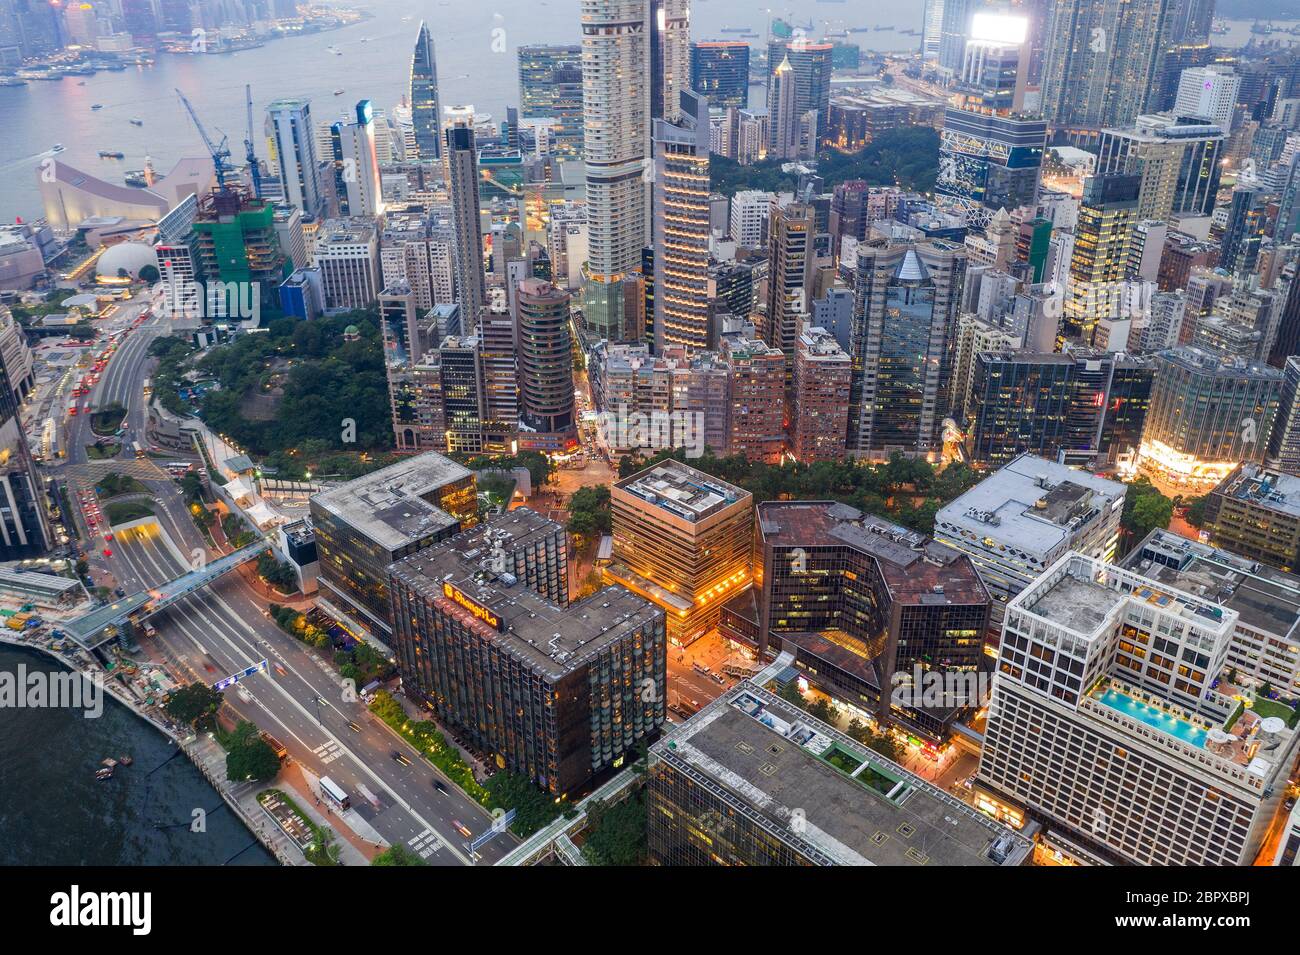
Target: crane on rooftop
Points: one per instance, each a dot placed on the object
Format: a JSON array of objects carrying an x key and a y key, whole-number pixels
[
  {"x": 254, "y": 171},
  {"x": 219, "y": 152}
]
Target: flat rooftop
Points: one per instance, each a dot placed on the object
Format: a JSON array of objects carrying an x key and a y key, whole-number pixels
[
  {"x": 1006, "y": 505},
  {"x": 1076, "y": 603},
  {"x": 389, "y": 505},
  {"x": 858, "y": 808},
  {"x": 682, "y": 491},
  {"x": 546, "y": 637},
  {"x": 1266, "y": 598},
  {"x": 1256, "y": 485}
]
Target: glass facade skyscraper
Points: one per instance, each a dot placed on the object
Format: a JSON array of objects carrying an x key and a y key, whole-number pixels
[{"x": 426, "y": 109}]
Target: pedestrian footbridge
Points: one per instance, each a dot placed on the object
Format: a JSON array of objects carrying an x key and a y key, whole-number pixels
[{"x": 105, "y": 623}]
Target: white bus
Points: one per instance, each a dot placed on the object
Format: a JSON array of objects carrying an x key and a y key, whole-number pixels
[{"x": 332, "y": 792}]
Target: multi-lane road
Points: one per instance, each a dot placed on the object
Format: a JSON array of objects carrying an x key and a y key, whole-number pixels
[{"x": 223, "y": 629}]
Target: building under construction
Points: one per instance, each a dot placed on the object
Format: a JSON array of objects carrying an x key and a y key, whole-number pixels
[{"x": 236, "y": 243}]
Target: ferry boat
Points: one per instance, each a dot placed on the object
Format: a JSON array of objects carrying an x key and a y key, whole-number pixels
[
  {"x": 111, "y": 154},
  {"x": 57, "y": 148},
  {"x": 135, "y": 178}
]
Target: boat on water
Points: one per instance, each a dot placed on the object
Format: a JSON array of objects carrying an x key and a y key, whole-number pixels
[
  {"x": 136, "y": 122},
  {"x": 126, "y": 760},
  {"x": 97, "y": 106},
  {"x": 12, "y": 81},
  {"x": 102, "y": 774},
  {"x": 338, "y": 92},
  {"x": 135, "y": 178},
  {"x": 333, "y": 49},
  {"x": 111, "y": 154},
  {"x": 881, "y": 29},
  {"x": 57, "y": 148}
]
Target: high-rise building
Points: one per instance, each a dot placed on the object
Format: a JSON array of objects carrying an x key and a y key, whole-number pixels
[
  {"x": 1255, "y": 512},
  {"x": 823, "y": 376},
  {"x": 932, "y": 29},
  {"x": 234, "y": 242},
  {"x": 356, "y": 165},
  {"x": 811, "y": 64},
  {"x": 462, "y": 180},
  {"x": 485, "y": 635},
  {"x": 991, "y": 160},
  {"x": 720, "y": 72},
  {"x": 1101, "y": 61},
  {"x": 756, "y": 379},
  {"x": 426, "y": 108},
  {"x": 1263, "y": 650},
  {"x": 954, "y": 31},
  {"x": 616, "y": 104},
  {"x": 1179, "y": 164},
  {"x": 754, "y": 781},
  {"x": 906, "y": 298},
  {"x": 750, "y": 209},
  {"x": 1244, "y": 234},
  {"x": 1209, "y": 412},
  {"x": 864, "y": 605},
  {"x": 24, "y": 524},
  {"x": 1024, "y": 517},
  {"x": 550, "y": 88},
  {"x": 548, "y": 421},
  {"x": 347, "y": 256},
  {"x": 363, "y": 525},
  {"x": 1209, "y": 93},
  {"x": 1107, "y": 217},
  {"x": 682, "y": 540},
  {"x": 293, "y": 151},
  {"x": 783, "y": 113},
  {"x": 1099, "y": 660},
  {"x": 681, "y": 227},
  {"x": 1284, "y": 443},
  {"x": 789, "y": 276}
]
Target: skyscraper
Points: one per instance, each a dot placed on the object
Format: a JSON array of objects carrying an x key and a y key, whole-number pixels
[
  {"x": 906, "y": 299},
  {"x": 681, "y": 227},
  {"x": 783, "y": 113},
  {"x": 426, "y": 109},
  {"x": 550, "y": 87},
  {"x": 789, "y": 277},
  {"x": 24, "y": 526},
  {"x": 1107, "y": 216},
  {"x": 462, "y": 178},
  {"x": 1101, "y": 61},
  {"x": 545, "y": 357},
  {"x": 293, "y": 147},
  {"x": 616, "y": 144},
  {"x": 356, "y": 167},
  {"x": 720, "y": 72}
]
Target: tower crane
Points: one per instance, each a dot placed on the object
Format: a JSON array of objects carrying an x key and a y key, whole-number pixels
[
  {"x": 219, "y": 152},
  {"x": 254, "y": 171}
]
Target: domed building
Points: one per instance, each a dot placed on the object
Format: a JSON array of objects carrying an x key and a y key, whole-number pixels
[{"x": 130, "y": 257}]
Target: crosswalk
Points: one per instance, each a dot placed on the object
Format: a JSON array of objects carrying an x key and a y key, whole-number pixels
[
  {"x": 328, "y": 752},
  {"x": 425, "y": 844},
  {"x": 140, "y": 469}
]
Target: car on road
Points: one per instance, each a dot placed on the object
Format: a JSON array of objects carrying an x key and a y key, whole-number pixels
[
  {"x": 354, "y": 727},
  {"x": 461, "y": 828},
  {"x": 401, "y": 758},
  {"x": 1289, "y": 804},
  {"x": 440, "y": 786},
  {"x": 280, "y": 670}
]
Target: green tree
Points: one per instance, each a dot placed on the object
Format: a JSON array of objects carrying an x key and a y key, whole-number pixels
[
  {"x": 589, "y": 511},
  {"x": 249, "y": 756},
  {"x": 397, "y": 854},
  {"x": 1145, "y": 509},
  {"x": 616, "y": 833},
  {"x": 1197, "y": 511},
  {"x": 149, "y": 274},
  {"x": 192, "y": 701}
]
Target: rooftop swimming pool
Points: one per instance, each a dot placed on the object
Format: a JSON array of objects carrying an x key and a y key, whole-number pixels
[{"x": 1152, "y": 716}]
